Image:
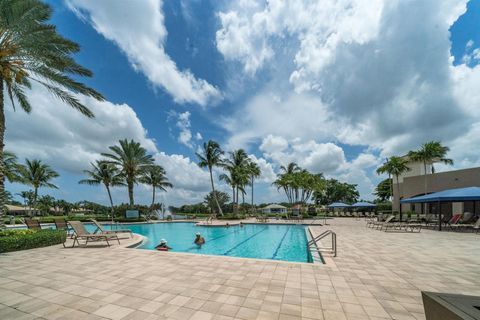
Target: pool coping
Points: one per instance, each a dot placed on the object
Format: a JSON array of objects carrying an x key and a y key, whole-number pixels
[{"x": 233, "y": 257}]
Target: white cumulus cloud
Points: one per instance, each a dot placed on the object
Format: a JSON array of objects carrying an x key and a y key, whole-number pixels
[{"x": 138, "y": 29}]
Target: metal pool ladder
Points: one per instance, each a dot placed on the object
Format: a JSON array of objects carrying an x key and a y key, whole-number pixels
[{"x": 326, "y": 233}]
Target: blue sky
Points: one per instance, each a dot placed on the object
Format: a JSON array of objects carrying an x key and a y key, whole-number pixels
[{"x": 283, "y": 79}]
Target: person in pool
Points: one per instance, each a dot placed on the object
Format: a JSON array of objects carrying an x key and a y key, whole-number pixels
[
  {"x": 199, "y": 240},
  {"x": 163, "y": 245}
]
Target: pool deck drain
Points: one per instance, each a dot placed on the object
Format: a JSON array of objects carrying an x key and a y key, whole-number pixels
[{"x": 377, "y": 275}]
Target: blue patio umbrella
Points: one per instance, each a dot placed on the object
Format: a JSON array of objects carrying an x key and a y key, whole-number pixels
[
  {"x": 363, "y": 205},
  {"x": 450, "y": 195},
  {"x": 338, "y": 205}
]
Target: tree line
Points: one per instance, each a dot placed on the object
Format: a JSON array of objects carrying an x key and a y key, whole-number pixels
[
  {"x": 301, "y": 186},
  {"x": 127, "y": 164}
]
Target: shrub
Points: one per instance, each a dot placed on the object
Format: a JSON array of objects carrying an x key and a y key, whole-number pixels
[
  {"x": 17, "y": 221},
  {"x": 384, "y": 206},
  {"x": 14, "y": 240}
]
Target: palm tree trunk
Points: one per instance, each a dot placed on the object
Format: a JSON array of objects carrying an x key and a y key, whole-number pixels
[
  {"x": 236, "y": 207},
  {"x": 252, "y": 195},
  {"x": 398, "y": 192},
  {"x": 243, "y": 201},
  {"x": 214, "y": 194},
  {"x": 130, "y": 192},
  {"x": 153, "y": 198},
  {"x": 35, "y": 194},
  {"x": 391, "y": 190},
  {"x": 111, "y": 202},
  {"x": 425, "y": 181},
  {"x": 2, "y": 164}
]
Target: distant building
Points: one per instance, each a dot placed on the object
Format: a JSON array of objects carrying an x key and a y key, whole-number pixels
[
  {"x": 412, "y": 183},
  {"x": 20, "y": 210},
  {"x": 274, "y": 209}
]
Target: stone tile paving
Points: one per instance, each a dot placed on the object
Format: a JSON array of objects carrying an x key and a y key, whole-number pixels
[{"x": 376, "y": 275}]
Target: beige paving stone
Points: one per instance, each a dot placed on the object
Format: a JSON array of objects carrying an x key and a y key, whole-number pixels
[
  {"x": 202, "y": 315},
  {"x": 266, "y": 315},
  {"x": 114, "y": 312},
  {"x": 211, "y": 306},
  {"x": 235, "y": 300},
  {"x": 182, "y": 313},
  {"x": 312, "y": 313},
  {"x": 179, "y": 300},
  {"x": 151, "y": 306},
  {"x": 334, "y": 315},
  {"x": 291, "y": 309},
  {"x": 247, "y": 313}
]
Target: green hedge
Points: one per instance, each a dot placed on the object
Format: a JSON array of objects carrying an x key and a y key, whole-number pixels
[
  {"x": 14, "y": 240},
  {"x": 85, "y": 218}
]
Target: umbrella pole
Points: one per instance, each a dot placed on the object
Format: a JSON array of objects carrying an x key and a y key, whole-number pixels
[
  {"x": 400, "y": 209},
  {"x": 439, "y": 216}
]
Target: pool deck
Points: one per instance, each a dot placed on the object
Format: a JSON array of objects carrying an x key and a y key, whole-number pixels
[{"x": 376, "y": 275}]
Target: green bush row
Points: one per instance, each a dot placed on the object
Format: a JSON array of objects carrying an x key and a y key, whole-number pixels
[{"x": 14, "y": 240}]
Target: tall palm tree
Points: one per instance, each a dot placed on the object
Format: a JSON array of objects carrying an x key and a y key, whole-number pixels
[
  {"x": 31, "y": 50},
  {"x": 395, "y": 166},
  {"x": 155, "y": 176},
  {"x": 228, "y": 180},
  {"x": 285, "y": 181},
  {"x": 429, "y": 153},
  {"x": 210, "y": 157},
  {"x": 36, "y": 174},
  {"x": 104, "y": 173},
  {"x": 254, "y": 172},
  {"x": 132, "y": 160},
  {"x": 237, "y": 165}
]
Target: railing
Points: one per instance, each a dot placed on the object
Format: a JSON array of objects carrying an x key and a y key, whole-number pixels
[{"x": 332, "y": 249}]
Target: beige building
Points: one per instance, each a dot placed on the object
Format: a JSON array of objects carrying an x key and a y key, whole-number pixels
[{"x": 412, "y": 183}]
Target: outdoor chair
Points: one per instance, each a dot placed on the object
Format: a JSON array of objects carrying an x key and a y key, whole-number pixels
[
  {"x": 403, "y": 226},
  {"x": 453, "y": 220},
  {"x": 379, "y": 224},
  {"x": 209, "y": 220},
  {"x": 61, "y": 224},
  {"x": 102, "y": 229},
  {"x": 33, "y": 224},
  {"x": 476, "y": 226},
  {"x": 462, "y": 223},
  {"x": 81, "y": 233},
  {"x": 374, "y": 220},
  {"x": 473, "y": 226}
]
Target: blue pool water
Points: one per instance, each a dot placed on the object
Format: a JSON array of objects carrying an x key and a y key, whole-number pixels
[{"x": 277, "y": 242}]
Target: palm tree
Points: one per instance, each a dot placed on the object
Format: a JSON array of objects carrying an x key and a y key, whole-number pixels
[
  {"x": 430, "y": 153},
  {"x": 395, "y": 166},
  {"x": 36, "y": 174},
  {"x": 104, "y": 173},
  {"x": 254, "y": 172},
  {"x": 228, "y": 180},
  {"x": 285, "y": 180},
  {"x": 132, "y": 160},
  {"x": 211, "y": 157},
  {"x": 31, "y": 50},
  {"x": 155, "y": 177},
  {"x": 237, "y": 165},
  {"x": 10, "y": 166}
]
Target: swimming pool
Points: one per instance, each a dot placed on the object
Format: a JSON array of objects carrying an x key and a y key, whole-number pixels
[{"x": 261, "y": 241}]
